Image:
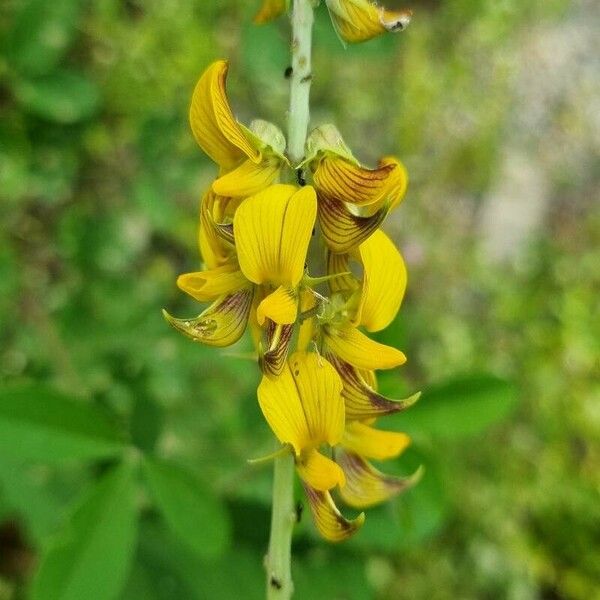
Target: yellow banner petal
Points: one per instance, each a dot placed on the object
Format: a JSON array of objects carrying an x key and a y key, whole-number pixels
[
  {"x": 270, "y": 9},
  {"x": 303, "y": 406},
  {"x": 384, "y": 281},
  {"x": 247, "y": 179},
  {"x": 221, "y": 324},
  {"x": 355, "y": 348},
  {"x": 365, "y": 485},
  {"x": 361, "y": 399},
  {"x": 281, "y": 306},
  {"x": 373, "y": 443},
  {"x": 328, "y": 520},
  {"x": 319, "y": 472},
  {"x": 208, "y": 285},
  {"x": 272, "y": 230},
  {"x": 212, "y": 122},
  {"x": 346, "y": 181},
  {"x": 344, "y": 230}
]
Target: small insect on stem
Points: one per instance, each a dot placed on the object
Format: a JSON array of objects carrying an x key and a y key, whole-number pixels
[
  {"x": 274, "y": 582},
  {"x": 288, "y": 72},
  {"x": 301, "y": 177}
]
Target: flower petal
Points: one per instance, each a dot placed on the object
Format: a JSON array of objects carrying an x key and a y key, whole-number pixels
[
  {"x": 247, "y": 179},
  {"x": 281, "y": 306},
  {"x": 354, "y": 347},
  {"x": 270, "y": 10},
  {"x": 342, "y": 229},
  {"x": 307, "y": 326},
  {"x": 319, "y": 472},
  {"x": 340, "y": 263},
  {"x": 398, "y": 182},
  {"x": 214, "y": 249},
  {"x": 208, "y": 285},
  {"x": 361, "y": 399},
  {"x": 213, "y": 124},
  {"x": 374, "y": 443},
  {"x": 221, "y": 324},
  {"x": 272, "y": 230},
  {"x": 303, "y": 406},
  {"x": 365, "y": 485},
  {"x": 272, "y": 361},
  {"x": 384, "y": 281},
  {"x": 328, "y": 520},
  {"x": 342, "y": 179}
]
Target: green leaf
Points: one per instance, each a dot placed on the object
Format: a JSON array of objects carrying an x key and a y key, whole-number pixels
[
  {"x": 190, "y": 509},
  {"x": 41, "y": 34},
  {"x": 459, "y": 408},
  {"x": 38, "y": 423},
  {"x": 91, "y": 558},
  {"x": 63, "y": 96},
  {"x": 146, "y": 423}
]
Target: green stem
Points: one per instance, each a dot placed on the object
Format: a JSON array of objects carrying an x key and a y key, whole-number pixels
[{"x": 283, "y": 517}]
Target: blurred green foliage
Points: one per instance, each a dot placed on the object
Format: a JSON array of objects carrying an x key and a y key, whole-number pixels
[{"x": 123, "y": 446}]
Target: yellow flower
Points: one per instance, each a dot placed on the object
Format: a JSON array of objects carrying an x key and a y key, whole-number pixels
[
  {"x": 353, "y": 200},
  {"x": 270, "y": 9},
  {"x": 305, "y": 410},
  {"x": 249, "y": 159},
  {"x": 360, "y": 20},
  {"x": 261, "y": 280}
]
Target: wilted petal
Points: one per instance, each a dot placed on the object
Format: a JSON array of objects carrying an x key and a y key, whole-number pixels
[
  {"x": 281, "y": 306},
  {"x": 222, "y": 323},
  {"x": 272, "y": 230},
  {"x": 247, "y": 179},
  {"x": 360, "y": 397},
  {"x": 374, "y": 443},
  {"x": 270, "y": 10},
  {"x": 273, "y": 360},
  {"x": 303, "y": 406},
  {"x": 318, "y": 471},
  {"x": 354, "y": 347},
  {"x": 342, "y": 229},
  {"x": 365, "y": 485},
  {"x": 328, "y": 520},
  {"x": 208, "y": 285},
  {"x": 213, "y": 124},
  {"x": 384, "y": 281}
]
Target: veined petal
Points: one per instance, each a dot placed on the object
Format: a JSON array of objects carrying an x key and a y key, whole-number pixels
[
  {"x": 221, "y": 324},
  {"x": 281, "y": 306},
  {"x": 328, "y": 520},
  {"x": 307, "y": 326},
  {"x": 272, "y": 361},
  {"x": 247, "y": 179},
  {"x": 365, "y": 485},
  {"x": 318, "y": 471},
  {"x": 361, "y": 20},
  {"x": 360, "y": 396},
  {"x": 272, "y": 230},
  {"x": 354, "y": 347},
  {"x": 208, "y": 285},
  {"x": 270, "y": 10},
  {"x": 213, "y": 124},
  {"x": 342, "y": 229},
  {"x": 303, "y": 406},
  {"x": 373, "y": 443},
  {"x": 398, "y": 182},
  {"x": 340, "y": 178},
  {"x": 340, "y": 263},
  {"x": 384, "y": 281},
  {"x": 214, "y": 249}
]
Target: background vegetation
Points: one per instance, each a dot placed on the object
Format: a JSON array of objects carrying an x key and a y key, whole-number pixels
[{"x": 123, "y": 445}]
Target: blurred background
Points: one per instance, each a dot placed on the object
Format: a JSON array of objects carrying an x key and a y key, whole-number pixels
[{"x": 130, "y": 481}]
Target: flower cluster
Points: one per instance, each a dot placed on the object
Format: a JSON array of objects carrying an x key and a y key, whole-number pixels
[{"x": 318, "y": 391}]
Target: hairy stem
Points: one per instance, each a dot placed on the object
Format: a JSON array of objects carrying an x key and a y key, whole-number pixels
[{"x": 283, "y": 517}]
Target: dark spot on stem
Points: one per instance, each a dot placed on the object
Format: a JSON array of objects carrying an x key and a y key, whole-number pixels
[
  {"x": 288, "y": 72},
  {"x": 274, "y": 582}
]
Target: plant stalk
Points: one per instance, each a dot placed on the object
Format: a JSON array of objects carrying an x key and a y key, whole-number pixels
[{"x": 283, "y": 516}]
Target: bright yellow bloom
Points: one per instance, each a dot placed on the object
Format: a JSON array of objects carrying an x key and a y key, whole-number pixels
[
  {"x": 360, "y": 20},
  {"x": 249, "y": 159},
  {"x": 304, "y": 408},
  {"x": 270, "y": 9}
]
